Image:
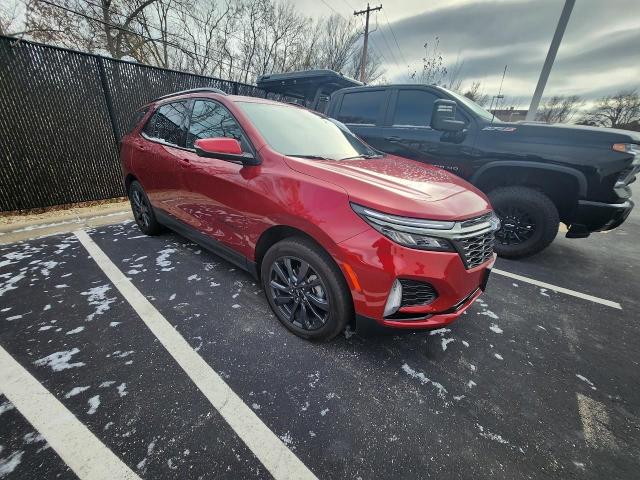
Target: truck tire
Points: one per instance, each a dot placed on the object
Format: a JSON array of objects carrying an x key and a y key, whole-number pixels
[{"x": 529, "y": 221}]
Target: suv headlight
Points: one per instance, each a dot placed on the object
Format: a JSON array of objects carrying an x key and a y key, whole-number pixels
[{"x": 409, "y": 232}]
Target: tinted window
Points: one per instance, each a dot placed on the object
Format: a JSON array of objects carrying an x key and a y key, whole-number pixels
[
  {"x": 212, "y": 120},
  {"x": 168, "y": 124},
  {"x": 361, "y": 107},
  {"x": 414, "y": 108}
]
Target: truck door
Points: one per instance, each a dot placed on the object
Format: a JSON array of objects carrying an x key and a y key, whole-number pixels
[
  {"x": 406, "y": 132},
  {"x": 363, "y": 111}
]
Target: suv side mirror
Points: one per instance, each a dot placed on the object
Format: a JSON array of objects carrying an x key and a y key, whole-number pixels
[
  {"x": 444, "y": 116},
  {"x": 224, "y": 148}
]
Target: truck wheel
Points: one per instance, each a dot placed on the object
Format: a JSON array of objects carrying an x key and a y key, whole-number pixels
[{"x": 529, "y": 221}]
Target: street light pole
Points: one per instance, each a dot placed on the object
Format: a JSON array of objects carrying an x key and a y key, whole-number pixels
[{"x": 551, "y": 56}]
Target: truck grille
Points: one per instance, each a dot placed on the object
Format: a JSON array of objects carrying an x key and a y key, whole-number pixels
[
  {"x": 417, "y": 293},
  {"x": 475, "y": 250}
]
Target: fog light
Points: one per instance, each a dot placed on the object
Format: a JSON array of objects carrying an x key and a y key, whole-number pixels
[{"x": 394, "y": 299}]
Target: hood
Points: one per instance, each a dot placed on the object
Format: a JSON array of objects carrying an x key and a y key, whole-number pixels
[
  {"x": 570, "y": 133},
  {"x": 399, "y": 186}
]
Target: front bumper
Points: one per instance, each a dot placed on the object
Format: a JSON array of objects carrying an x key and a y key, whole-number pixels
[
  {"x": 598, "y": 217},
  {"x": 376, "y": 262}
]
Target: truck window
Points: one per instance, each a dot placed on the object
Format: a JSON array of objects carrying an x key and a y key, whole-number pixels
[
  {"x": 361, "y": 107},
  {"x": 414, "y": 108}
]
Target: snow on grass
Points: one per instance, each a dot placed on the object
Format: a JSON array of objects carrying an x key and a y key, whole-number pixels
[
  {"x": 74, "y": 331},
  {"x": 97, "y": 297},
  {"x": 59, "y": 361},
  {"x": 587, "y": 381},
  {"x": 75, "y": 391},
  {"x": 94, "y": 403},
  {"x": 495, "y": 328}
]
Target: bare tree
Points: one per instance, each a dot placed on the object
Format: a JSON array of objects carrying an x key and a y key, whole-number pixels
[
  {"x": 338, "y": 42},
  {"x": 559, "y": 109},
  {"x": 434, "y": 69},
  {"x": 373, "y": 68},
  {"x": 476, "y": 93},
  {"x": 621, "y": 110}
]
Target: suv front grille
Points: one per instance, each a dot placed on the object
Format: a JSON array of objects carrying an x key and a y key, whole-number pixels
[
  {"x": 417, "y": 293},
  {"x": 475, "y": 250}
]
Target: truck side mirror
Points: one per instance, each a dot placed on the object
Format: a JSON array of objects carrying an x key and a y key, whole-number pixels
[{"x": 444, "y": 116}]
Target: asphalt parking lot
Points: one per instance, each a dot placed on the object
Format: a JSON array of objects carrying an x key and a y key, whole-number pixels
[{"x": 529, "y": 383}]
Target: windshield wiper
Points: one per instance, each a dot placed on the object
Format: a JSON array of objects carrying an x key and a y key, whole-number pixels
[
  {"x": 312, "y": 157},
  {"x": 366, "y": 155}
]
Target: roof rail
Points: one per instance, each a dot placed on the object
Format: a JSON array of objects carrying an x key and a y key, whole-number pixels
[{"x": 192, "y": 90}]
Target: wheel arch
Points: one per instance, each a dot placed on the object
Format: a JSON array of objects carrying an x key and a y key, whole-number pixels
[
  {"x": 563, "y": 185},
  {"x": 129, "y": 179}
]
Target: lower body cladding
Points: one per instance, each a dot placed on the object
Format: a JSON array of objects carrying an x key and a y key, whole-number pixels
[{"x": 403, "y": 288}]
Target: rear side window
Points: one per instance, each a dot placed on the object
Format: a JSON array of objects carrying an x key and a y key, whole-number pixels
[
  {"x": 212, "y": 120},
  {"x": 413, "y": 108},
  {"x": 361, "y": 107},
  {"x": 168, "y": 124}
]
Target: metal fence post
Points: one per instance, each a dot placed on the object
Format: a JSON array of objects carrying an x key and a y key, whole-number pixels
[{"x": 107, "y": 98}]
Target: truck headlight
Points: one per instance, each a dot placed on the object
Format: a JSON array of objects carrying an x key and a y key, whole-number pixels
[
  {"x": 632, "y": 148},
  {"x": 409, "y": 232}
]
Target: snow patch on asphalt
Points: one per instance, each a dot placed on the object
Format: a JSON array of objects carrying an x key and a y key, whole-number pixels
[
  {"x": 495, "y": 328},
  {"x": 587, "y": 381},
  {"x": 74, "y": 331},
  {"x": 94, "y": 403},
  {"x": 97, "y": 297},
  {"x": 59, "y": 361},
  {"x": 163, "y": 259},
  {"x": 75, "y": 391},
  {"x": 422, "y": 378}
]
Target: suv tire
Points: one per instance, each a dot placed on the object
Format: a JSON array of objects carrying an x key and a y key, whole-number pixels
[
  {"x": 306, "y": 289},
  {"x": 143, "y": 211},
  {"x": 529, "y": 221}
]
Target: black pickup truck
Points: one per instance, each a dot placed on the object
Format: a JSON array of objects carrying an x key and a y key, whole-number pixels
[{"x": 535, "y": 174}]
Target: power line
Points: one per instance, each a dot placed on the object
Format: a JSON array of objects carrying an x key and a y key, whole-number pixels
[
  {"x": 384, "y": 38},
  {"x": 394, "y": 38}
]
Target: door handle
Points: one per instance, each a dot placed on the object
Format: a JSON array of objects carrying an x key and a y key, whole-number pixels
[{"x": 392, "y": 138}]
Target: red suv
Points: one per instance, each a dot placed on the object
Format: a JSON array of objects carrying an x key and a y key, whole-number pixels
[{"x": 335, "y": 230}]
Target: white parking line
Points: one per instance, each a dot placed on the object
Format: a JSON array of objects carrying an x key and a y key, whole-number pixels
[
  {"x": 281, "y": 462},
  {"x": 558, "y": 289},
  {"x": 80, "y": 449}
]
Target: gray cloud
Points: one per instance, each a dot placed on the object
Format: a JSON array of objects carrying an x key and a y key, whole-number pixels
[{"x": 602, "y": 36}]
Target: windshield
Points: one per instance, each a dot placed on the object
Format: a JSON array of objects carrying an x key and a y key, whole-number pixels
[
  {"x": 473, "y": 106},
  {"x": 297, "y": 132}
]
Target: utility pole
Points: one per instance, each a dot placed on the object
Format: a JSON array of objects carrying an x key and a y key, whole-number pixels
[
  {"x": 551, "y": 57},
  {"x": 366, "y": 12}
]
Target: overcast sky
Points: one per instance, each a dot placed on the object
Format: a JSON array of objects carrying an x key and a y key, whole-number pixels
[{"x": 600, "y": 52}]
